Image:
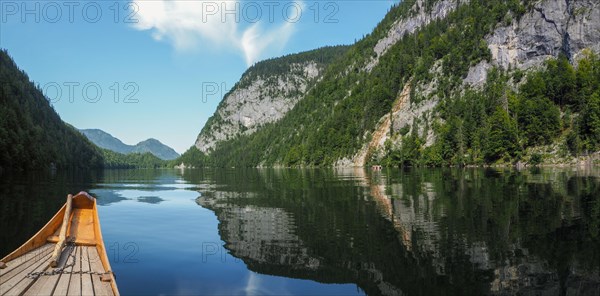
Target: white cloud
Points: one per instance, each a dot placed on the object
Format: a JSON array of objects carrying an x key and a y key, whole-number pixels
[{"x": 189, "y": 25}]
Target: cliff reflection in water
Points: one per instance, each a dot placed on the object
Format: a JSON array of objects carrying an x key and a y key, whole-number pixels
[{"x": 416, "y": 232}]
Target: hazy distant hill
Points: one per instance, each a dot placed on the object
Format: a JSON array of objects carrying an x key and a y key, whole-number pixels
[
  {"x": 157, "y": 148},
  {"x": 107, "y": 141}
]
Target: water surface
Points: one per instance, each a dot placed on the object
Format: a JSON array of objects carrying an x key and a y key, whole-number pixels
[{"x": 331, "y": 232}]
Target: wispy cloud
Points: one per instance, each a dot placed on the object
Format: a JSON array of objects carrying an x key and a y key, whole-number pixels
[{"x": 189, "y": 25}]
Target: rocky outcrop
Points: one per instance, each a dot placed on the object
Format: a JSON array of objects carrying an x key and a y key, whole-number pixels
[
  {"x": 256, "y": 101},
  {"x": 550, "y": 28},
  {"x": 404, "y": 113},
  {"x": 421, "y": 15}
]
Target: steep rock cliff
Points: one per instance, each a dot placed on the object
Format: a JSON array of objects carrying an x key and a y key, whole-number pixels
[{"x": 264, "y": 94}]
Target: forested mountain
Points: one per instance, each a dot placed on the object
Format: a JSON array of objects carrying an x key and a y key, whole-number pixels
[
  {"x": 443, "y": 82},
  {"x": 32, "y": 135},
  {"x": 265, "y": 93},
  {"x": 147, "y": 160},
  {"x": 107, "y": 141},
  {"x": 157, "y": 148}
]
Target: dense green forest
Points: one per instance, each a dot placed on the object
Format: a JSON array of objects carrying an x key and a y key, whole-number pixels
[
  {"x": 32, "y": 135},
  {"x": 514, "y": 111},
  {"x": 557, "y": 104},
  {"x": 114, "y": 160}
]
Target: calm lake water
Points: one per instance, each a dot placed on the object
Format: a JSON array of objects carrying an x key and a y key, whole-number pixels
[{"x": 331, "y": 232}]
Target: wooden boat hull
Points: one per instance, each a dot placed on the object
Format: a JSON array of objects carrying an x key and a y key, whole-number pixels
[{"x": 83, "y": 266}]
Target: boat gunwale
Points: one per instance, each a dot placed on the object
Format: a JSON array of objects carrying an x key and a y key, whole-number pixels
[
  {"x": 101, "y": 249},
  {"x": 38, "y": 239},
  {"x": 82, "y": 200}
]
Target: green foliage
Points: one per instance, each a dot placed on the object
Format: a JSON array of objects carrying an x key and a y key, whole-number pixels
[
  {"x": 502, "y": 141},
  {"x": 114, "y": 160},
  {"x": 192, "y": 157},
  {"x": 336, "y": 116},
  {"x": 32, "y": 135},
  {"x": 497, "y": 124},
  {"x": 339, "y": 113},
  {"x": 536, "y": 159},
  {"x": 283, "y": 65},
  {"x": 561, "y": 82},
  {"x": 585, "y": 135},
  {"x": 539, "y": 120},
  {"x": 590, "y": 122}
]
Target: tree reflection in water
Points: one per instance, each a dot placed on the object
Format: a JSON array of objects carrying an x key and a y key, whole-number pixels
[{"x": 421, "y": 232}]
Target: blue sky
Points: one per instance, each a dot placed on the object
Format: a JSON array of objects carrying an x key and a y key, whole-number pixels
[{"x": 143, "y": 69}]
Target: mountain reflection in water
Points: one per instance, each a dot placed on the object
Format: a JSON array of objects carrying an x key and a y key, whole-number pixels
[{"x": 416, "y": 231}]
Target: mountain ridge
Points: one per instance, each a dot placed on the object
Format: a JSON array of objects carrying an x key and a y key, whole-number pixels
[
  {"x": 264, "y": 94},
  {"x": 32, "y": 134},
  {"x": 107, "y": 141},
  {"x": 474, "y": 71}
]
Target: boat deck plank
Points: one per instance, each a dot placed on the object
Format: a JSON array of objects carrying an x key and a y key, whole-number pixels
[
  {"x": 16, "y": 265},
  {"x": 87, "y": 288},
  {"x": 81, "y": 265},
  {"x": 100, "y": 287},
  {"x": 75, "y": 283},
  {"x": 62, "y": 286},
  {"x": 46, "y": 284},
  {"x": 69, "y": 282},
  {"x": 20, "y": 282}
]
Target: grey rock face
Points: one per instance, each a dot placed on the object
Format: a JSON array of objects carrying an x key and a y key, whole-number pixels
[
  {"x": 421, "y": 17},
  {"x": 552, "y": 27},
  {"x": 477, "y": 75},
  {"x": 259, "y": 101}
]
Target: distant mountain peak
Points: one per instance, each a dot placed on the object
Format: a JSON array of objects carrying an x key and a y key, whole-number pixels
[
  {"x": 150, "y": 140},
  {"x": 107, "y": 141}
]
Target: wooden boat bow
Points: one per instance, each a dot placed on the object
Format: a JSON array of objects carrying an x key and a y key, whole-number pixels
[{"x": 66, "y": 256}]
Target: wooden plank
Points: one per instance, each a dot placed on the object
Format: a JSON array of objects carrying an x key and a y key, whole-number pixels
[
  {"x": 62, "y": 286},
  {"x": 46, "y": 284},
  {"x": 75, "y": 283},
  {"x": 84, "y": 229},
  {"x": 74, "y": 225},
  {"x": 82, "y": 226},
  {"x": 100, "y": 287},
  {"x": 102, "y": 250},
  {"x": 87, "y": 288},
  {"x": 23, "y": 261},
  {"x": 62, "y": 237},
  {"x": 19, "y": 283},
  {"x": 77, "y": 241},
  {"x": 17, "y": 265}
]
